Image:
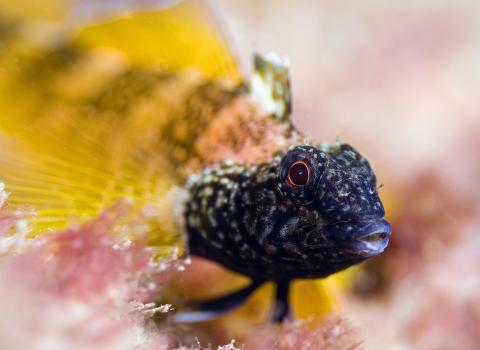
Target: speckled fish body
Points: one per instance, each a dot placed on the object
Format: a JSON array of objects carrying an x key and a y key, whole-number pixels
[{"x": 243, "y": 218}]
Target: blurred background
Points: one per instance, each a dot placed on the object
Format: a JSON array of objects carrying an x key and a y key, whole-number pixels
[{"x": 400, "y": 82}]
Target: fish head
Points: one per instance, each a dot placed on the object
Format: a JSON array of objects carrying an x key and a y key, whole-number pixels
[{"x": 333, "y": 215}]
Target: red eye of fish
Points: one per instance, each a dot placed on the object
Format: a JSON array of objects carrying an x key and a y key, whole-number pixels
[{"x": 299, "y": 173}]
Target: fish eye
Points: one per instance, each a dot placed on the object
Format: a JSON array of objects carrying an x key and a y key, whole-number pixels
[{"x": 299, "y": 173}]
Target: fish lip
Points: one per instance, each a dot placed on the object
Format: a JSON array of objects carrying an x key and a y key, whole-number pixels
[
  {"x": 369, "y": 229},
  {"x": 372, "y": 238},
  {"x": 359, "y": 239}
]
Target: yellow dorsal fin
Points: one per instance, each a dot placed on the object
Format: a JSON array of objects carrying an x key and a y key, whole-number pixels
[
  {"x": 185, "y": 35},
  {"x": 81, "y": 120}
]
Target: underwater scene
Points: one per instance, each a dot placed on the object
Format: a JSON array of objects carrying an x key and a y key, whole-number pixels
[{"x": 239, "y": 174}]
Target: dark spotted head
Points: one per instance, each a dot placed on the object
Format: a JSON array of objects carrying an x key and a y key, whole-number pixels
[{"x": 312, "y": 211}]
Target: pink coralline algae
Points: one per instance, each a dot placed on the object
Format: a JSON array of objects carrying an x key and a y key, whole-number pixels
[
  {"x": 331, "y": 333},
  {"x": 77, "y": 289}
]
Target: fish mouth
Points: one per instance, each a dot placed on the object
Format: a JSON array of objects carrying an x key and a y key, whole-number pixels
[
  {"x": 371, "y": 238},
  {"x": 354, "y": 240}
]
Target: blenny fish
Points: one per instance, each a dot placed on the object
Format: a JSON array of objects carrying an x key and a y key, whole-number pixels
[{"x": 151, "y": 109}]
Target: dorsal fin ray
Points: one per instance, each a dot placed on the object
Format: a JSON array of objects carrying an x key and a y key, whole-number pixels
[
  {"x": 270, "y": 86},
  {"x": 185, "y": 35}
]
